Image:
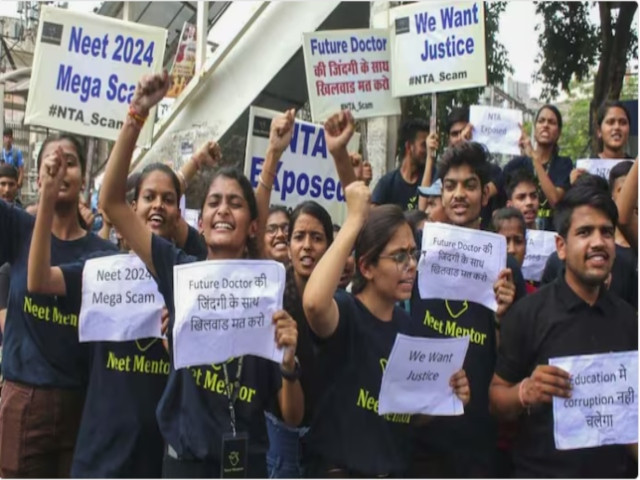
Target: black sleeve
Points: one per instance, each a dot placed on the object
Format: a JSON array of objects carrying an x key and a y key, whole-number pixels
[
  {"x": 518, "y": 279},
  {"x": 5, "y": 282},
  {"x": 165, "y": 256},
  {"x": 552, "y": 269},
  {"x": 514, "y": 349},
  {"x": 380, "y": 194},
  {"x": 563, "y": 175},
  {"x": 195, "y": 245},
  {"x": 16, "y": 226}
]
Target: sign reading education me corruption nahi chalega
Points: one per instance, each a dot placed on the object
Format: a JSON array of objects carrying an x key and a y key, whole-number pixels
[
  {"x": 85, "y": 70},
  {"x": 349, "y": 69},
  {"x": 436, "y": 47},
  {"x": 305, "y": 171}
]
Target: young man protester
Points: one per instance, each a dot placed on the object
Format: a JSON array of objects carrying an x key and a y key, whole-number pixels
[
  {"x": 575, "y": 315},
  {"x": 522, "y": 194},
  {"x": 464, "y": 446}
]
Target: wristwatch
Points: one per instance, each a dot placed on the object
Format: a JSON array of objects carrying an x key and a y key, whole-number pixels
[{"x": 292, "y": 376}]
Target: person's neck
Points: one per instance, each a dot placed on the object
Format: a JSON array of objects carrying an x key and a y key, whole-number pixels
[
  {"x": 301, "y": 282},
  {"x": 473, "y": 225},
  {"x": 614, "y": 154},
  {"x": 545, "y": 153},
  {"x": 620, "y": 239},
  {"x": 225, "y": 253},
  {"x": 377, "y": 304},
  {"x": 588, "y": 293},
  {"x": 409, "y": 170},
  {"x": 66, "y": 225}
]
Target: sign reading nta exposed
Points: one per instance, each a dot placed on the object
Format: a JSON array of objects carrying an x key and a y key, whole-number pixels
[
  {"x": 85, "y": 72},
  {"x": 437, "y": 46}
]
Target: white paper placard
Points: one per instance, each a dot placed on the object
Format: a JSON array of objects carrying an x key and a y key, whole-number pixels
[
  {"x": 437, "y": 46},
  {"x": 349, "y": 69},
  {"x": 603, "y": 408},
  {"x": 224, "y": 309},
  {"x": 460, "y": 263},
  {"x": 540, "y": 245},
  {"x": 416, "y": 378},
  {"x": 599, "y": 166},
  {"x": 497, "y": 128},
  {"x": 191, "y": 216},
  {"x": 120, "y": 300}
]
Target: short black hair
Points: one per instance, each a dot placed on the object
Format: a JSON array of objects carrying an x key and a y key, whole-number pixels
[
  {"x": 583, "y": 194},
  {"x": 414, "y": 217},
  {"x": 7, "y": 170},
  {"x": 508, "y": 213},
  {"x": 619, "y": 170},
  {"x": 410, "y": 129},
  {"x": 591, "y": 180},
  {"x": 7, "y": 132},
  {"x": 606, "y": 106},
  {"x": 458, "y": 114},
  {"x": 522, "y": 175},
  {"x": 472, "y": 154},
  {"x": 279, "y": 209}
]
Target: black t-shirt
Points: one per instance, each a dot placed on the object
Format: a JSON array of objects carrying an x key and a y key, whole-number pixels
[
  {"x": 195, "y": 245},
  {"x": 559, "y": 171},
  {"x": 392, "y": 188},
  {"x": 346, "y": 430},
  {"x": 193, "y": 412},
  {"x": 555, "y": 322},
  {"x": 41, "y": 345},
  {"x": 497, "y": 201},
  {"x": 624, "y": 274}
]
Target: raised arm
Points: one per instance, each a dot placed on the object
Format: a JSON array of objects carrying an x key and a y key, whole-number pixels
[
  {"x": 41, "y": 276},
  {"x": 338, "y": 130},
  {"x": 149, "y": 91},
  {"x": 628, "y": 207},
  {"x": 280, "y": 135},
  {"x": 208, "y": 155},
  {"x": 427, "y": 177},
  {"x": 320, "y": 308}
]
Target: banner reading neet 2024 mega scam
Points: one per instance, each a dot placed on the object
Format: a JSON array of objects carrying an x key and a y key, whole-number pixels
[
  {"x": 436, "y": 47},
  {"x": 305, "y": 171},
  {"x": 85, "y": 70}
]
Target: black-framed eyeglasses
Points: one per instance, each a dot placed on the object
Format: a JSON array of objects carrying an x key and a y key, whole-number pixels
[
  {"x": 403, "y": 257},
  {"x": 273, "y": 228}
]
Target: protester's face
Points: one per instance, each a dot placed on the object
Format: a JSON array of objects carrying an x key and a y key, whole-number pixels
[
  {"x": 614, "y": 129},
  {"x": 157, "y": 204},
  {"x": 589, "y": 249},
  {"x": 455, "y": 133},
  {"x": 72, "y": 181},
  {"x": 308, "y": 244},
  {"x": 7, "y": 140},
  {"x": 547, "y": 130},
  {"x": 418, "y": 149},
  {"x": 516, "y": 243},
  {"x": 435, "y": 210},
  {"x": 462, "y": 196},
  {"x": 393, "y": 280},
  {"x": 525, "y": 199},
  {"x": 358, "y": 167},
  {"x": 226, "y": 218},
  {"x": 347, "y": 272},
  {"x": 8, "y": 189},
  {"x": 275, "y": 237}
]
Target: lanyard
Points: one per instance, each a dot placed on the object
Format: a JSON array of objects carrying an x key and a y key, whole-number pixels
[{"x": 233, "y": 396}]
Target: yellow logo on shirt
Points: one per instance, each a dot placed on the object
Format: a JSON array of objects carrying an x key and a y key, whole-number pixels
[{"x": 49, "y": 314}]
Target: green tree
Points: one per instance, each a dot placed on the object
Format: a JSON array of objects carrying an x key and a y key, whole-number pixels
[
  {"x": 571, "y": 45},
  {"x": 498, "y": 66}
]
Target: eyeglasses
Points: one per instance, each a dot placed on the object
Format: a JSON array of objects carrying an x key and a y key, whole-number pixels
[
  {"x": 273, "y": 228},
  {"x": 403, "y": 257}
]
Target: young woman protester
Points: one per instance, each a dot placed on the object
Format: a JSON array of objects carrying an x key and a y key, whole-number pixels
[
  {"x": 277, "y": 234},
  {"x": 44, "y": 365},
  {"x": 118, "y": 435},
  {"x": 551, "y": 170},
  {"x": 192, "y": 417}
]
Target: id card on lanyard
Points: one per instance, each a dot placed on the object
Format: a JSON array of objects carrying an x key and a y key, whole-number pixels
[{"x": 235, "y": 445}]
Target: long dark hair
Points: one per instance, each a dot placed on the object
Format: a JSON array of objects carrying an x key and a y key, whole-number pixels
[
  {"x": 77, "y": 144},
  {"x": 317, "y": 211},
  {"x": 602, "y": 112},
  {"x": 382, "y": 224},
  {"x": 558, "y": 115}
]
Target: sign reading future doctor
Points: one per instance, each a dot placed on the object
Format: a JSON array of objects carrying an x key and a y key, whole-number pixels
[
  {"x": 437, "y": 46},
  {"x": 349, "y": 69},
  {"x": 85, "y": 70},
  {"x": 224, "y": 309},
  {"x": 305, "y": 171}
]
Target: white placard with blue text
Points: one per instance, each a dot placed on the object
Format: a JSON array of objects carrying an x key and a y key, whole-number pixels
[
  {"x": 460, "y": 264},
  {"x": 437, "y": 47},
  {"x": 306, "y": 170},
  {"x": 540, "y": 245},
  {"x": 416, "y": 378},
  {"x": 349, "y": 69},
  {"x": 85, "y": 70},
  {"x": 497, "y": 128},
  {"x": 224, "y": 309},
  {"x": 603, "y": 407},
  {"x": 120, "y": 300},
  {"x": 599, "y": 166}
]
